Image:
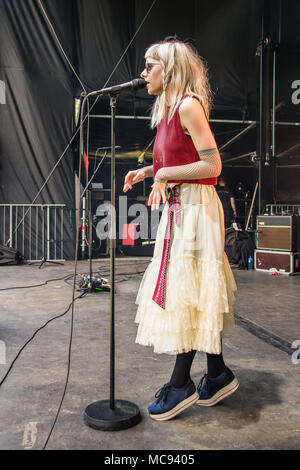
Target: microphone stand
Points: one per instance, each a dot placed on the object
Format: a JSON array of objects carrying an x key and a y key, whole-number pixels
[
  {"x": 88, "y": 190},
  {"x": 111, "y": 415}
]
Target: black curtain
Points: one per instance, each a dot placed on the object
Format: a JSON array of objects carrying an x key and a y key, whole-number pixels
[
  {"x": 37, "y": 111},
  {"x": 36, "y": 120}
]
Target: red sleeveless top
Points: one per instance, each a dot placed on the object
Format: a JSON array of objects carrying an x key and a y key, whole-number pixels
[{"x": 172, "y": 147}]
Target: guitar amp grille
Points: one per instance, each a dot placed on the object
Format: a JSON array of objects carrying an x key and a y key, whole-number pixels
[{"x": 280, "y": 233}]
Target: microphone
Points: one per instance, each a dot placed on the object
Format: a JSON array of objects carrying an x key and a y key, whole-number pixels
[{"x": 135, "y": 84}]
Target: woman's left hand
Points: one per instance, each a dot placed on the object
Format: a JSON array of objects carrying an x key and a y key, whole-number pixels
[{"x": 157, "y": 194}]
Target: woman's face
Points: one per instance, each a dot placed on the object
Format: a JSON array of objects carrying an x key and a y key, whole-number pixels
[{"x": 152, "y": 73}]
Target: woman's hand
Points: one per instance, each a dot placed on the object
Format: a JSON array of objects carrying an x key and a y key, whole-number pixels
[
  {"x": 132, "y": 178},
  {"x": 157, "y": 194}
]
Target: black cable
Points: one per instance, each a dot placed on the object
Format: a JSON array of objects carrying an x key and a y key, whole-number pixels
[
  {"x": 68, "y": 368},
  {"x": 131, "y": 274},
  {"x": 34, "y": 334},
  {"x": 101, "y": 268},
  {"x": 68, "y": 276},
  {"x": 72, "y": 316},
  {"x": 70, "y": 344},
  {"x": 69, "y": 284},
  {"x": 264, "y": 334}
]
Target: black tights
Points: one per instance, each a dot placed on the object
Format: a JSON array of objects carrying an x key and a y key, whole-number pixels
[{"x": 183, "y": 364}]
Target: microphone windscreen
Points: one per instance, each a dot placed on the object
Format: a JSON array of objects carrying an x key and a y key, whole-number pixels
[{"x": 138, "y": 83}]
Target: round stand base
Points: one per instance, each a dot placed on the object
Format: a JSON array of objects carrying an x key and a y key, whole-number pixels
[{"x": 99, "y": 415}]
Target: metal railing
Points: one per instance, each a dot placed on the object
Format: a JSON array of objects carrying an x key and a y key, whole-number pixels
[
  {"x": 282, "y": 209},
  {"x": 35, "y": 230}
]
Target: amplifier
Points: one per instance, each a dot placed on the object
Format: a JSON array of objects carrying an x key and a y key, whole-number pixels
[
  {"x": 278, "y": 232},
  {"x": 283, "y": 262}
]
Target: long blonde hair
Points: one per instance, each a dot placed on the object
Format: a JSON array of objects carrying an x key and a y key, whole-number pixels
[{"x": 184, "y": 73}]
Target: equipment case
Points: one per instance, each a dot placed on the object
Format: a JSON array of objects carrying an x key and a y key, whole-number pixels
[{"x": 281, "y": 261}]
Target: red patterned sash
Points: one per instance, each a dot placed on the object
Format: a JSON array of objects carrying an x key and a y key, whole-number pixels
[{"x": 174, "y": 207}]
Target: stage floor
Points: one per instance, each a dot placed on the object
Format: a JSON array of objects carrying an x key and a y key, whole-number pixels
[{"x": 264, "y": 413}]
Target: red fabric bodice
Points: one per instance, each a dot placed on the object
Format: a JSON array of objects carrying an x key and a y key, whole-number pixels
[{"x": 172, "y": 147}]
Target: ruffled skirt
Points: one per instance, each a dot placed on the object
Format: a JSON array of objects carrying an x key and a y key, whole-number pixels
[{"x": 199, "y": 284}]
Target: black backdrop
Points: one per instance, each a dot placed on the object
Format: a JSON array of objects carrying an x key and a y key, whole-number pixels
[{"x": 37, "y": 115}]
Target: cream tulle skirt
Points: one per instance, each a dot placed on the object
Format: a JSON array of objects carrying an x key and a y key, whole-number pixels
[{"x": 200, "y": 284}]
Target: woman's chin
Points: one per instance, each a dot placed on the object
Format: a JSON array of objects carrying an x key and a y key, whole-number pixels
[{"x": 153, "y": 92}]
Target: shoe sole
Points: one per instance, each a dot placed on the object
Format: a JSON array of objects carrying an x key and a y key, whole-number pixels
[
  {"x": 183, "y": 405},
  {"x": 220, "y": 395}
]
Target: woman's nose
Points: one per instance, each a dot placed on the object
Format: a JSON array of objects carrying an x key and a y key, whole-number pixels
[{"x": 143, "y": 73}]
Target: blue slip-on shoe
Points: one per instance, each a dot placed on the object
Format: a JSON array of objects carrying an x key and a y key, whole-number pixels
[
  {"x": 213, "y": 390},
  {"x": 171, "y": 401}
]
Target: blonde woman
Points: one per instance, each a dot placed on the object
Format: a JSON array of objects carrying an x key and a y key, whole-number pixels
[{"x": 186, "y": 296}]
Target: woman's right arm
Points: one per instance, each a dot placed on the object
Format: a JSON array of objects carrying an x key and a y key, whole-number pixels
[
  {"x": 136, "y": 176},
  {"x": 148, "y": 170}
]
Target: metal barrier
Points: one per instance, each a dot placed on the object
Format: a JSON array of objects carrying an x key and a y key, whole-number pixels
[
  {"x": 35, "y": 230},
  {"x": 282, "y": 209}
]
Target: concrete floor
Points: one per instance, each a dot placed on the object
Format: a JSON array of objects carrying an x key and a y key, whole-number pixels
[{"x": 263, "y": 414}]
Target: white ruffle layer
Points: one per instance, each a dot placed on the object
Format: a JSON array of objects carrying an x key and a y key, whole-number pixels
[
  {"x": 198, "y": 308},
  {"x": 200, "y": 284}
]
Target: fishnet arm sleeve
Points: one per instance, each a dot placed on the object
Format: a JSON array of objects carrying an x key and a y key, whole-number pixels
[{"x": 209, "y": 166}]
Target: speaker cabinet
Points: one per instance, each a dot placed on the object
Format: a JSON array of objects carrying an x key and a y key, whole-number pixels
[
  {"x": 9, "y": 255},
  {"x": 278, "y": 232}
]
